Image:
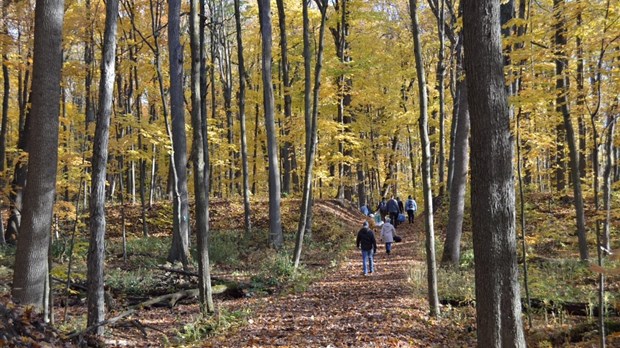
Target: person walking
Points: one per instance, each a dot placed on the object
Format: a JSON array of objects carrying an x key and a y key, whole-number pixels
[
  {"x": 368, "y": 244},
  {"x": 411, "y": 206},
  {"x": 382, "y": 208},
  {"x": 393, "y": 210},
  {"x": 387, "y": 235},
  {"x": 400, "y": 205}
]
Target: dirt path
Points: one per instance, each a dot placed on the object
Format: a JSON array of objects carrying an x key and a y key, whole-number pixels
[{"x": 348, "y": 309}]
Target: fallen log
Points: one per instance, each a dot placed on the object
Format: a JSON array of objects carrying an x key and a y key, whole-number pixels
[
  {"x": 572, "y": 308},
  {"x": 172, "y": 300}
]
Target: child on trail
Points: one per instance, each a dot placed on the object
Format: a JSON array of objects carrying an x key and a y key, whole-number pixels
[
  {"x": 411, "y": 206},
  {"x": 387, "y": 235},
  {"x": 367, "y": 243}
]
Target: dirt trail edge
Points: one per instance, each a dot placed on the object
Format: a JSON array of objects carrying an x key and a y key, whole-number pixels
[{"x": 348, "y": 309}]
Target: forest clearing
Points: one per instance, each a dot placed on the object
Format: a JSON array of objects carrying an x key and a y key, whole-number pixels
[{"x": 201, "y": 172}]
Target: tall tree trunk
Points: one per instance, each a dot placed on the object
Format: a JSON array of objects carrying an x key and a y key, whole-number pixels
[
  {"x": 5, "y": 106},
  {"x": 607, "y": 188},
  {"x": 452, "y": 245},
  {"x": 30, "y": 278},
  {"x": 21, "y": 167},
  {"x": 431, "y": 266},
  {"x": 498, "y": 305},
  {"x": 287, "y": 147},
  {"x": 200, "y": 188},
  {"x": 96, "y": 250},
  {"x": 276, "y": 237},
  {"x": 305, "y": 218},
  {"x": 561, "y": 64},
  {"x": 244, "y": 144},
  {"x": 411, "y": 160},
  {"x": 179, "y": 250},
  {"x": 441, "y": 90}
]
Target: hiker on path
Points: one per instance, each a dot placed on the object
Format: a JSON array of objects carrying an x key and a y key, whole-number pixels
[
  {"x": 387, "y": 235},
  {"x": 382, "y": 208},
  {"x": 411, "y": 206},
  {"x": 367, "y": 243},
  {"x": 401, "y": 209},
  {"x": 393, "y": 210}
]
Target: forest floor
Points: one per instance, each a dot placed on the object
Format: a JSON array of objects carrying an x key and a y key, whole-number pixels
[
  {"x": 342, "y": 309},
  {"x": 329, "y": 303},
  {"x": 348, "y": 309}
]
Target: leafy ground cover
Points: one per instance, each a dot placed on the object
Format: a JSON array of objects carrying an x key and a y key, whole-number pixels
[{"x": 263, "y": 302}]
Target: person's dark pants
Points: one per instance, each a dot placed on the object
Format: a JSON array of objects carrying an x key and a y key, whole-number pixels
[
  {"x": 394, "y": 217},
  {"x": 388, "y": 248},
  {"x": 410, "y": 215},
  {"x": 383, "y": 215}
]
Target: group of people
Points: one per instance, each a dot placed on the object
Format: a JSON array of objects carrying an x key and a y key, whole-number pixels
[
  {"x": 390, "y": 212},
  {"x": 394, "y": 207}
]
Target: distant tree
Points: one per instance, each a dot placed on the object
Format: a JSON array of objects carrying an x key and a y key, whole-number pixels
[
  {"x": 498, "y": 302},
  {"x": 96, "y": 250},
  {"x": 30, "y": 277}
]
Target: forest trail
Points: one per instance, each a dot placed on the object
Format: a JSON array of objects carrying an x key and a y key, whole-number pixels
[{"x": 348, "y": 309}]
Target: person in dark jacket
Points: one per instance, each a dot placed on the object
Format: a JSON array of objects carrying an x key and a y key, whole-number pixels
[
  {"x": 401, "y": 208},
  {"x": 382, "y": 208},
  {"x": 368, "y": 244},
  {"x": 393, "y": 210}
]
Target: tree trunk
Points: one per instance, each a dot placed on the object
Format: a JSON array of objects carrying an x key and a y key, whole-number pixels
[
  {"x": 452, "y": 246},
  {"x": 276, "y": 237},
  {"x": 244, "y": 144},
  {"x": 607, "y": 185},
  {"x": 561, "y": 63},
  {"x": 287, "y": 148},
  {"x": 96, "y": 250},
  {"x": 498, "y": 304},
  {"x": 441, "y": 90},
  {"x": 31, "y": 257},
  {"x": 433, "y": 297},
  {"x": 200, "y": 188},
  {"x": 305, "y": 218},
  {"x": 179, "y": 250}
]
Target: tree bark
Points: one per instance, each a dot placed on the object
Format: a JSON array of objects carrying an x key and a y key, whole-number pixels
[
  {"x": 31, "y": 257},
  {"x": 431, "y": 267},
  {"x": 276, "y": 237},
  {"x": 498, "y": 305}
]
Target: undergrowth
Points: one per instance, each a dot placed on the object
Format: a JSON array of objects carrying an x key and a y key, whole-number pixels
[{"x": 207, "y": 326}]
